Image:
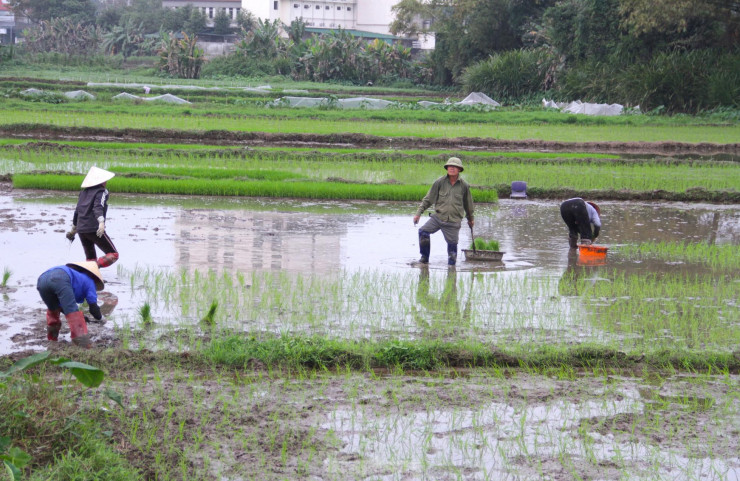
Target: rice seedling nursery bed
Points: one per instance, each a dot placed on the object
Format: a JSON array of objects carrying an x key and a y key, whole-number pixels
[{"x": 625, "y": 371}]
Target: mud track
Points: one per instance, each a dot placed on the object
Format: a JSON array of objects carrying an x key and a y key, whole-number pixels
[{"x": 351, "y": 140}]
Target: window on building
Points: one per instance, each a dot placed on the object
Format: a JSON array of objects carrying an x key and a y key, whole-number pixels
[
  {"x": 318, "y": 7},
  {"x": 339, "y": 8},
  {"x": 275, "y": 5},
  {"x": 295, "y": 5},
  {"x": 210, "y": 12},
  {"x": 306, "y": 6},
  {"x": 327, "y": 7},
  {"x": 349, "y": 8},
  {"x": 231, "y": 13}
]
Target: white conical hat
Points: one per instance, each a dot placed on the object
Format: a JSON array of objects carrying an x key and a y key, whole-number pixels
[
  {"x": 91, "y": 268},
  {"x": 96, "y": 176}
]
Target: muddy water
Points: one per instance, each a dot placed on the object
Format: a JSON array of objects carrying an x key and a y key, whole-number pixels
[{"x": 309, "y": 238}]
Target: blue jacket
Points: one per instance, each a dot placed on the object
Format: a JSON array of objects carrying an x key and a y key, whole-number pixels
[{"x": 82, "y": 285}]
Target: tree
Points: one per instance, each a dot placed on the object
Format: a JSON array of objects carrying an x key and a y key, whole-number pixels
[
  {"x": 467, "y": 31},
  {"x": 77, "y": 11},
  {"x": 174, "y": 19},
  {"x": 583, "y": 29},
  {"x": 245, "y": 21},
  {"x": 148, "y": 13},
  {"x": 127, "y": 40},
  {"x": 687, "y": 23},
  {"x": 195, "y": 23},
  {"x": 180, "y": 57},
  {"x": 221, "y": 22}
]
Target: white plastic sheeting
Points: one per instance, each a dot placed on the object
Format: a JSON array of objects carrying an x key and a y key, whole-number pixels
[
  {"x": 350, "y": 103},
  {"x": 32, "y": 91},
  {"x": 125, "y": 96},
  {"x": 474, "y": 98},
  {"x": 365, "y": 103},
  {"x": 478, "y": 98},
  {"x": 578, "y": 107},
  {"x": 168, "y": 98},
  {"x": 79, "y": 95}
]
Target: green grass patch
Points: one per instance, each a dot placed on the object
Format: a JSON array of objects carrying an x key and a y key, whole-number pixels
[
  {"x": 230, "y": 187},
  {"x": 296, "y": 352},
  {"x": 715, "y": 256},
  {"x": 393, "y": 125}
]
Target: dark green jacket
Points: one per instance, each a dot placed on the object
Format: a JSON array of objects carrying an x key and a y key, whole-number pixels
[{"x": 451, "y": 202}]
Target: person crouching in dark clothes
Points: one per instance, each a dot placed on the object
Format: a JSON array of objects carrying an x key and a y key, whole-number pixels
[
  {"x": 88, "y": 221},
  {"x": 62, "y": 289},
  {"x": 582, "y": 218}
]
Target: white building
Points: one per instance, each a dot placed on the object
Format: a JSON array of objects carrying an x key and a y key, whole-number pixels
[{"x": 368, "y": 16}]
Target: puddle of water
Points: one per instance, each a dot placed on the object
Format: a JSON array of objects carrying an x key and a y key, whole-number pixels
[{"x": 323, "y": 239}]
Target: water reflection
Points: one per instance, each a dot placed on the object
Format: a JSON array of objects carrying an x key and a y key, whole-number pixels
[{"x": 440, "y": 306}]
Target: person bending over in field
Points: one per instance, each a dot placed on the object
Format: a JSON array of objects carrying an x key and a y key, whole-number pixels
[
  {"x": 582, "y": 218},
  {"x": 62, "y": 289}
]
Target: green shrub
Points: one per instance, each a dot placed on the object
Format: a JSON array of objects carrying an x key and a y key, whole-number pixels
[
  {"x": 679, "y": 81},
  {"x": 510, "y": 74},
  {"x": 238, "y": 65}
]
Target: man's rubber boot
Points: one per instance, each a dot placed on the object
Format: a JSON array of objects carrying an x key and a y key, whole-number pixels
[
  {"x": 78, "y": 328},
  {"x": 573, "y": 242},
  {"x": 451, "y": 254},
  {"x": 53, "y": 324},
  {"x": 425, "y": 246},
  {"x": 107, "y": 260}
]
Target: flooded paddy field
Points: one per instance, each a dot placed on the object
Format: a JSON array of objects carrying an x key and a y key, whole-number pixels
[
  {"x": 262, "y": 260},
  {"x": 347, "y": 270}
]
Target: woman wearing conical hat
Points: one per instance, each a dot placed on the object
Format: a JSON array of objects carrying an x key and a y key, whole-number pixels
[
  {"x": 62, "y": 289},
  {"x": 88, "y": 221}
]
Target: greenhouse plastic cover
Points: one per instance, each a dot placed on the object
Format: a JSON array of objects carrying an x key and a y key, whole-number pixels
[
  {"x": 351, "y": 103},
  {"x": 169, "y": 98},
  {"x": 474, "y": 98},
  {"x": 79, "y": 94},
  {"x": 578, "y": 107}
]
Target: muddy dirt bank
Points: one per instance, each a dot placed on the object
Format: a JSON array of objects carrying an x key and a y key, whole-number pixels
[
  {"x": 182, "y": 414},
  {"x": 350, "y": 140}
]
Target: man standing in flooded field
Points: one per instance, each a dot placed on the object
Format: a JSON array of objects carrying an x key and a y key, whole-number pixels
[
  {"x": 452, "y": 201},
  {"x": 88, "y": 221}
]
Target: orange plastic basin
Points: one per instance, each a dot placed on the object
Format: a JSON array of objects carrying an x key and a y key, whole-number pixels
[{"x": 592, "y": 250}]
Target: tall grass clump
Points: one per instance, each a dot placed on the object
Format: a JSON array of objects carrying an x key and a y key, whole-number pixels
[
  {"x": 678, "y": 81},
  {"x": 511, "y": 74}
]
